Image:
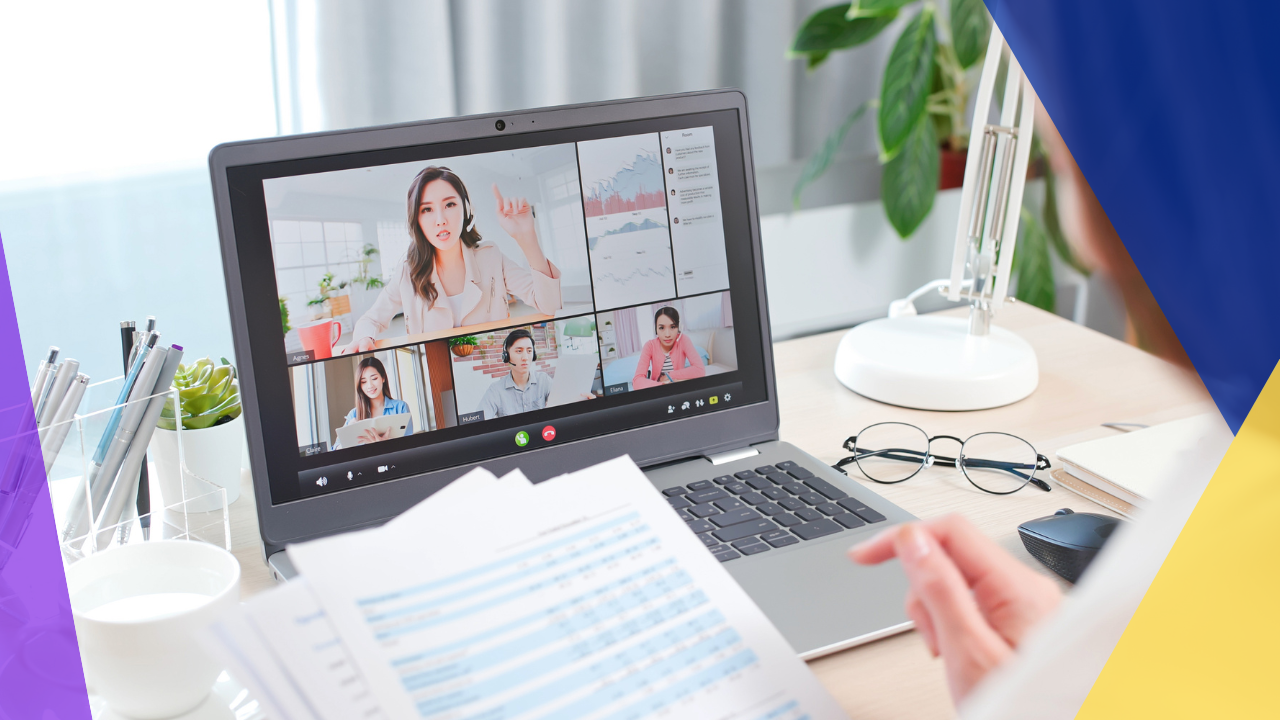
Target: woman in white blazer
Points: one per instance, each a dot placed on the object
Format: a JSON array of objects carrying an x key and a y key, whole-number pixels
[{"x": 450, "y": 278}]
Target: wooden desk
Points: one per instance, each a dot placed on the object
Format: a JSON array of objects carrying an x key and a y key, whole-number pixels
[
  {"x": 1086, "y": 379},
  {"x": 453, "y": 332}
]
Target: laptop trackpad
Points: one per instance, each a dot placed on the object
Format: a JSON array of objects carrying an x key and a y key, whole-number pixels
[{"x": 818, "y": 598}]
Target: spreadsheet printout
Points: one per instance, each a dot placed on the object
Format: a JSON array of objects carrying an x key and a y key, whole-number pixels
[
  {"x": 583, "y": 597},
  {"x": 282, "y": 646}
]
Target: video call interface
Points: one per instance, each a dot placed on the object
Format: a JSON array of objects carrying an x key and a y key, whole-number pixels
[{"x": 434, "y": 294}]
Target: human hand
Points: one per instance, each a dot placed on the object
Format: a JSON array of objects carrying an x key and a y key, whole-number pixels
[
  {"x": 515, "y": 215},
  {"x": 972, "y": 602},
  {"x": 372, "y": 435},
  {"x": 363, "y": 345}
]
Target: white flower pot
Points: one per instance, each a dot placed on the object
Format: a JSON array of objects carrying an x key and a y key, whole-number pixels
[{"x": 212, "y": 454}]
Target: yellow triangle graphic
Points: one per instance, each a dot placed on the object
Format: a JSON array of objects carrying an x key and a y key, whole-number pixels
[{"x": 1205, "y": 641}]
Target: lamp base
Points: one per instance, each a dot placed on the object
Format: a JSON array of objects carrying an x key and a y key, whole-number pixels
[{"x": 933, "y": 363}]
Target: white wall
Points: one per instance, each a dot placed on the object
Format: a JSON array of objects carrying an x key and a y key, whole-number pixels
[{"x": 835, "y": 266}]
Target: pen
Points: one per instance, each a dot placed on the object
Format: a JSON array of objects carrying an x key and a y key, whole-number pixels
[
  {"x": 103, "y": 477},
  {"x": 126, "y": 341},
  {"x": 128, "y": 337},
  {"x": 44, "y": 390},
  {"x": 62, "y": 420},
  {"x": 67, "y": 370},
  {"x": 42, "y": 373},
  {"x": 136, "y": 455},
  {"x": 144, "y": 483},
  {"x": 114, "y": 488},
  {"x": 78, "y": 514}
]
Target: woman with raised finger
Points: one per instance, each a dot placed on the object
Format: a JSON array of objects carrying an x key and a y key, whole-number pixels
[{"x": 452, "y": 278}]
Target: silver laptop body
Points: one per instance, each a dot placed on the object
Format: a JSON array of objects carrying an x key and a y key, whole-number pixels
[{"x": 270, "y": 193}]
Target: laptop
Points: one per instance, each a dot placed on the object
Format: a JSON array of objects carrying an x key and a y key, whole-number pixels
[{"x": 619, "y": 218}]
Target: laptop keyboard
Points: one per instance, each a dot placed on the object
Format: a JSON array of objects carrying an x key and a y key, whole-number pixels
[{"x": 773, "y": 506}]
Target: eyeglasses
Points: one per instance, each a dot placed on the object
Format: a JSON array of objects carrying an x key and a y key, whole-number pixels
[{"x": 994, "y": 462}]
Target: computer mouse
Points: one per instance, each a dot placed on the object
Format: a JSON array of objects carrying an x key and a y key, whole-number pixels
[{"x": 1067, "y": 541}]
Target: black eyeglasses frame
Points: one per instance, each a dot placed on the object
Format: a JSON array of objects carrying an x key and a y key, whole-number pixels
[{"x": 928, "y": 459}]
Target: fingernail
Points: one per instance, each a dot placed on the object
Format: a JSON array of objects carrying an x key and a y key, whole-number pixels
[{"x": 914, "y": 544}]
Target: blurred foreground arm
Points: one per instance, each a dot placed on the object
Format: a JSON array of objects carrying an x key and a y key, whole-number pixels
[{"x": 972, "y": 602}]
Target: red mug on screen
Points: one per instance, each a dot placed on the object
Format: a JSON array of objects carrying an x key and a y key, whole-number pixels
[{"x": 320, "y": 337}]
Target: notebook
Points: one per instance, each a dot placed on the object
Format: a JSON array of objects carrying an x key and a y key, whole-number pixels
[{"x": 1125, "y": 471}]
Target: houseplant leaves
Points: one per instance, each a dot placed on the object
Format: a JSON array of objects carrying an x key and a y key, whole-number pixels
[
  {"x": 907, "y": 79},
  {"x": 1032, "y": 266},
  {"x": 875, "y": 8},
  {"x": 829, "y": 29},
  {"x": 970, "y": 30},
  {"x": 821, "y": 160},
  {"x": 910, "y": 180}
]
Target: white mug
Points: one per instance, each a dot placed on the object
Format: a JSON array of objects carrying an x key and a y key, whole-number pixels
[{"x": 137, "y": 611}]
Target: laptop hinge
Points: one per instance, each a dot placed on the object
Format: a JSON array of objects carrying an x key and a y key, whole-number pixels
[{"x": 730, "y": 456}]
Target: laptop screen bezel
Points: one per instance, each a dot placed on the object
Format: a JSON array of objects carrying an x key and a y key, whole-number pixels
[{"x": 308, "y": 517}]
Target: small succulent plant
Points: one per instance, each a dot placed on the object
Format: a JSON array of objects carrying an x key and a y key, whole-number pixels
[{"x": 208, "y": 393}]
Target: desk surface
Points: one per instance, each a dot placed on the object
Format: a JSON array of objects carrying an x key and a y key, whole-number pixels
[{"x": 1086, "y": 379}]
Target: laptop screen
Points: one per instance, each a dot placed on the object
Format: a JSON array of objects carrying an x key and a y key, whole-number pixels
[{"x": 417, "y": 308}]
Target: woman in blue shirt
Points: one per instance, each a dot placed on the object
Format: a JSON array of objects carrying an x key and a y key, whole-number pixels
[{"x": 374, "y": 400}]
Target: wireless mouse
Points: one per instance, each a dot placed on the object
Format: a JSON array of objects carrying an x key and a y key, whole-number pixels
[{"x": 1067, "y": 541}]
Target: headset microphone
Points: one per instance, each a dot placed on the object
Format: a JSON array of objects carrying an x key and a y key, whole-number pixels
[
  {"x": 515, "y": 336},
  {"x": 471, "y": 219}
]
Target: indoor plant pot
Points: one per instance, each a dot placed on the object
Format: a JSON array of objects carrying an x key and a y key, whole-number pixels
[
  {"x": 212, "y": 436},
  {"x": 212, "y": 454},
  {"x": 463, "y": 346}
]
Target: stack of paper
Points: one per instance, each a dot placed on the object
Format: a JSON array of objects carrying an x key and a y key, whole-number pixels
[{"x": 580, "y": 597}]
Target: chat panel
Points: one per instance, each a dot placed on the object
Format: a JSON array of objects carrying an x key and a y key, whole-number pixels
[{"x": 693, "y": 201}]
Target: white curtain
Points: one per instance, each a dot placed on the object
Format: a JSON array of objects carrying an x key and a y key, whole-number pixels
[{"x": 342, "y": 64}]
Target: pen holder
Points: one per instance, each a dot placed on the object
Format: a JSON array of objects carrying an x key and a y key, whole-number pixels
[{"x": 94, "y": 495}]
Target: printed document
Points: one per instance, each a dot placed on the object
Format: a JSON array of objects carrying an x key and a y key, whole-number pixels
[{"x": 584, "y": 596}]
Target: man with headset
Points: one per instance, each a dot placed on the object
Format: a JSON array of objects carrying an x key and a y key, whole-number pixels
[{"x": 526, "y": 388}]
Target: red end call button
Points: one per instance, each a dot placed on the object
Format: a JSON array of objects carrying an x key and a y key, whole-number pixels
[{"x": 548, "y": 433}]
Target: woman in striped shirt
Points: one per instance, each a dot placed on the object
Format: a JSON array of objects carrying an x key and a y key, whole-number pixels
[{"x": 668, "y": 357}]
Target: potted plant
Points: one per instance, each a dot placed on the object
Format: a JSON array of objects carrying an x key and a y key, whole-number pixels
[
  {"x": 923, "y": 94},
  {"x": 212, "y": 434},
  {"x": 284, "y": 314},
  {"x": 463, "y": 346},
  {"x": 332, "y": 301},
  {"x": 364, "y": 287},
  {"x": 921, "y": 128}
]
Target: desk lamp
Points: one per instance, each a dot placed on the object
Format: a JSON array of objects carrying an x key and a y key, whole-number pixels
[
  {"x": 582, "y": 327},
  {"x": 936, "y": 363}
]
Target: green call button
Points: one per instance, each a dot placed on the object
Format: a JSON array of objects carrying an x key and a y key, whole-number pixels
[{"x": 522, "y": 438}]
